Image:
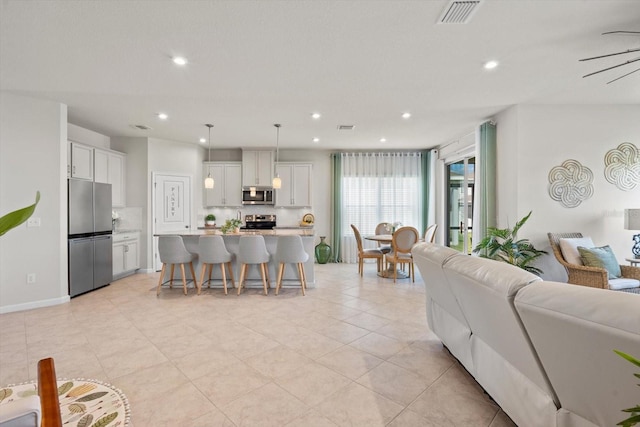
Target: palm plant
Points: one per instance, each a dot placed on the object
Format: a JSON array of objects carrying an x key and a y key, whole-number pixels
[
  {"x": 635, "y": 411},
  {"x": 17, "y": 217},
  {"x": 502, "y": 244}
]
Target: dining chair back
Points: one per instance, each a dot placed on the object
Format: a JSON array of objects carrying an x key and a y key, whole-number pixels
[
  {"x": 172, "y": 251},
  {"x": 430, "y": 233},
  {"x": 366, "y": 253},
  {"x": 212, "y": 250},
  {"x": 402, "y": 242},
  {"x": 384, "y": 228}
]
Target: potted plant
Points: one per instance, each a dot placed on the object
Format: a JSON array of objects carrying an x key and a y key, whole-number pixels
[
  {"x": 502, "y": 244},
  {"x": 210, "y": 220},
  {"x": 231, "y": 226},
  {"x": 635, "y": 411}
]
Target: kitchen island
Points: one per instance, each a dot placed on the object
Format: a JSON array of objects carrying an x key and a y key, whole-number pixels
[{"x": 232, "y": 242}]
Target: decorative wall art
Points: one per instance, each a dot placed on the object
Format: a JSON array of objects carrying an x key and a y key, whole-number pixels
[
  {"x": 622, "y": 166},
  {"x": 570, "y": 183}
]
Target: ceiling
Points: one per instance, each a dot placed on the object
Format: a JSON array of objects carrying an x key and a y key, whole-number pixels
[{"x": 363, "y": 63}]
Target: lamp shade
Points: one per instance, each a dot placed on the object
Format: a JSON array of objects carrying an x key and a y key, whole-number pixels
[
  {"x": 277, "y": 182},
  {"x": 632, "y": 219}
]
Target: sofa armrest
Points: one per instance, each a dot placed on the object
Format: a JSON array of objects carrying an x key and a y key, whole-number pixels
[
  {"x": 21, "y": 412},
  {"x": 48, "y": 391}
]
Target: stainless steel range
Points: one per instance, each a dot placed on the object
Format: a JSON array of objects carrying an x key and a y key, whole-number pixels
[{"x": 259, "y": 222}]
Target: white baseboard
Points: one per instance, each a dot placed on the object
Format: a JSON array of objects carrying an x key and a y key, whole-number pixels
[{"x": 34, "y": 304}]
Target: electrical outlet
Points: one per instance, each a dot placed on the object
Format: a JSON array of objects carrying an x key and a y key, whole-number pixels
[
  {"x": 33, "y": 222},
  {"x": 31, "y": 278}
]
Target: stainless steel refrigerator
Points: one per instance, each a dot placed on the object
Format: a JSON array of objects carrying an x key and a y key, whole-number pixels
[{"x": 90, "y": 236}]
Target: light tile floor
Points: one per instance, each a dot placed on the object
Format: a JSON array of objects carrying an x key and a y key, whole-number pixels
[{"x": 352, "y": 352}]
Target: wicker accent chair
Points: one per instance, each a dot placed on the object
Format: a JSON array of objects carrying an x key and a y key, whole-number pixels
[{"x": 592, "y": 277}]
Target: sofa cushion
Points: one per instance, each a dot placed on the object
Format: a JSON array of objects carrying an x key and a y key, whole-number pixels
[
  {"x": 602, "y": 257},
  {"x": 623, "y": 283},
  {"x": 569, "y": 248}
]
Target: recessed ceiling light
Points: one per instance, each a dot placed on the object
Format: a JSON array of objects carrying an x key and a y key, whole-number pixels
[
  {"x": 315, "y": 116},
  {"x": 383, "y": 139},
  {"x": 316, "y": 139},
  {"x": 406, "y": 115},
  {"x": 179, "y": 60},
  {"x": 203, "y": 140},
  {"x": 163, "y": 116},
  {"x": 490, "y": 65}
]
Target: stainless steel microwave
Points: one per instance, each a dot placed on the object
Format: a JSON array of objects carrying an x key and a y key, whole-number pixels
[{"x": 257, "y": 196}]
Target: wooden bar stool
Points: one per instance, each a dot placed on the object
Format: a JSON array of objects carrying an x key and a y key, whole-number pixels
[
  {"x": 253, "y": 250},
  {"x": 289, "y": 250},
  {"x": 172, "y": 251},
  {"x": 212, "y": 250}
]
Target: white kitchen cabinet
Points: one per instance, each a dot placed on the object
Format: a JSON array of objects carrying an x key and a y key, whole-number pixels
[
  {"x": 227, "y": 188},
  {"x": 296, "y": 185},
  {"x": 81, "y": 161},
  {"x": 109, "y": 168},
  {"x": 126, "y": 254},
  {"x": 257, "y": 168}
]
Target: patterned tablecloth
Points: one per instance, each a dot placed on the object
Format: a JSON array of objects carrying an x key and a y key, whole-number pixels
[{"x": 83, "y": 403}]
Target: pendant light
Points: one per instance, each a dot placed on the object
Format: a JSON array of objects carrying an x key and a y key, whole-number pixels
[
  {"x": 208, "y": 182},
  {"x": 277, "y": 182}
]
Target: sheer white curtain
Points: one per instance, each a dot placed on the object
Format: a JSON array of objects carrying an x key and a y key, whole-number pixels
[{"x": 379, "y": 187}]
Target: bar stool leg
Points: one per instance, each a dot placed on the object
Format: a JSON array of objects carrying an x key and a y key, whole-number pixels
[
  {"x": 301, "y": 273},
  {"x": 279, "y": 278},
  {"x": 204, "y": 269},
  {"x": 164, "y": 266},
  {"x": 193, "y": 276},
  {"x": 184, "y": 279},
  {"x": 243, "y": 269},
  {"x": 264, "y": 278},
  {"x": 233, "y": 284},
  {"x": 173, "y": 266},
  {"x": 224, "y": 278}
]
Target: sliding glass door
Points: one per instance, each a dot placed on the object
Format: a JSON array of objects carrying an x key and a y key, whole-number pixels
[{"x": 460, "y": 186}]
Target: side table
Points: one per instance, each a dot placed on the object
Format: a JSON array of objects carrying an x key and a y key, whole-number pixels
[{"x": 633, "y": 262}]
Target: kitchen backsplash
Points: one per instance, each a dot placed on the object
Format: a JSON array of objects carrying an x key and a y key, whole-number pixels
[
  {"x": 128, "y": 218},
  {"x": 284, "y": 217}
]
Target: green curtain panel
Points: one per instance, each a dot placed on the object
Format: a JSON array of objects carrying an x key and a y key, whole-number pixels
[
  {"x": 485, "y": 203},
  {"x": 336, "y": 208},
  {"x": 426, "y": 189}
]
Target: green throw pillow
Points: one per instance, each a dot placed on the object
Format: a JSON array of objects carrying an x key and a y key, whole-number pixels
[{"x": 601, "y": 257}]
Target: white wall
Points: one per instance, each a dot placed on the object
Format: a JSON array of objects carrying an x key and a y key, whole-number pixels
[
  {"x": 137, "y": 170},
  {"x": 85, "y": 136},
  {"x": 534, "y": 138},
  {"x": 33, "y": 140}
]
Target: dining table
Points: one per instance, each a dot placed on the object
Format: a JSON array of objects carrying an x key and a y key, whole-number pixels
[{"x": 388, "y": 273}]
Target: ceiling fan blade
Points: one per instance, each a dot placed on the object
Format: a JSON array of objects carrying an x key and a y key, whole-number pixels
[
  {"x": 611, "y": 54},
  {"x": 611, "y": 68},
  {"x": 624, "y": 75},
  {"x": 621, "y": 32}
]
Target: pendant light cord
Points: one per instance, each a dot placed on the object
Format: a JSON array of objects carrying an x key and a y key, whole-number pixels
[{"x": 209, "y": 126}]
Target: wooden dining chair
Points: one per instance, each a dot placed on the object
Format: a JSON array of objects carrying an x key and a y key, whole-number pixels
[
  {"x": 366, "y": 253},
  {"x": 383, "y": 228},
  {"x": 401, "y": 244},
  {"x": 430, "y": 233}
]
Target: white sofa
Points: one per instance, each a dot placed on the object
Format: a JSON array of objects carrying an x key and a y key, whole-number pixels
[{"x": 542, "y": 350}]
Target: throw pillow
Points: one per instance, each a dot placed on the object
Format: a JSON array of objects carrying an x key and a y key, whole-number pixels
[
  {"x": 601, "y": 257},
  {"x": 569, "y": 248}
]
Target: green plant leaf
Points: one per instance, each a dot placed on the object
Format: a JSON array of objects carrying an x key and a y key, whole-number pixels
[
  {"x": 628, "y": 357},
  {"x": 15, "y": 218}
]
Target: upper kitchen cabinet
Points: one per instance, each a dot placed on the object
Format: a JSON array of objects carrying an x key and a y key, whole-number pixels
[
  {"x": 227, "y": 188},
  {"x": 257, "y": 168},
  {"x": 109, "y": 167},
  {"x": 80, "y": 161},
  {"x": 296, "y": 185}
]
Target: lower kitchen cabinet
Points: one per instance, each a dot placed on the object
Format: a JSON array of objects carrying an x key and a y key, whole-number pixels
[{"x": 126, "y": 254}]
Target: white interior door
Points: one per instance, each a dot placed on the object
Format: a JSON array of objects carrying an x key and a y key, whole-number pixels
[{"x": 171, "y": 207}]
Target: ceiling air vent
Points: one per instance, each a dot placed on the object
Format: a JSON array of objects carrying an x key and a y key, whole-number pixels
[
  {"x": 346, "y": 127},
  {"x": 458, "y": 11},
  {"x": 141, "y": 127}
]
